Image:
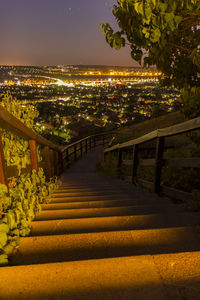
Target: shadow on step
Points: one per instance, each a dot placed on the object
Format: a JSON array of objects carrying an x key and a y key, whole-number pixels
[
  {"x": 61, "y": 214},
  {"x": 59, "y": 248},
  {"x": 114, "y": 223}
]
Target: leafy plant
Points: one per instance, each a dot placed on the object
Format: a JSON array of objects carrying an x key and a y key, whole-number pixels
[
  {"x": 5, "y": 200},
  {"x": 16, "y": 149},
  {"x": 24, "y": 201},
  {"x": 27, "y": 192}
]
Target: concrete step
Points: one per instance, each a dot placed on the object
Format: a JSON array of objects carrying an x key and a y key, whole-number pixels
[
  {"x": 57, "y": 248},
  {"x": 81, "y": 182},
  {"x": 135, "y": 201},
  {"x": 104, "y": 211},
  {"x": 85, "y": 193},
  {"x": 118, "y": 196},
  {"x": 86, "y": 189},
  {"x": 58, "y": 198},
  {"x": 125, "y": 191},
  {"x": 90, "y": 188},
  {"x": 88, "y": 183},
  {"x": 119, "y": 186},
  {"x": 85, "y": 204},
  {"x": 158, "y": 277},
  {"x": 103, "y": 224},
  {"x": 89, "y": 194}
]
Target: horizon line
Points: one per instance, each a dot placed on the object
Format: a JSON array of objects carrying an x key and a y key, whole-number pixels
[{"x": 75, "y": 65}]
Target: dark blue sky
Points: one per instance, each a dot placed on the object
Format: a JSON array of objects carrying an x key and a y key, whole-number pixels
[{"x": 52, "y": 32}]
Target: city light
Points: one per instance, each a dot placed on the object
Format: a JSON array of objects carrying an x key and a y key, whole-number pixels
[{"x": 87, "y": 97}]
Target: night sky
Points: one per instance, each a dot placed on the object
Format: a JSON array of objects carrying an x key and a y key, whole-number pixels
[{"x": 57, "y": 32}]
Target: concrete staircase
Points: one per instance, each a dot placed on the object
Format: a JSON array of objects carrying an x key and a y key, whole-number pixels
[{"x": 102, "y": 238}]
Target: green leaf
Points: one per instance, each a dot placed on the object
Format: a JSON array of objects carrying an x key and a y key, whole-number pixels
[
  {"x": 11, "y": 219},
  {"x": 139, "y": 8},
  {"x": 3, "y": 260},
  {"x": 3, "y": 239},
  {"x": 4, "y": 228},
  {"x": 155, "y": 36},
  {"x": 162, "y": 6},
  {"x": 24, "y": 231},
  {"x": 136, "y": 4},
  {"x": 3, "y": 189},
  {"x": 169, "y": 17},
  {"x": 147, "y": 34},
  {"x": 148, "y": 12},
  {"x": 178, "y": 19}
]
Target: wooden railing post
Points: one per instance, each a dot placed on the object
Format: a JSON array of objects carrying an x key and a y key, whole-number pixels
[
  {"x": 94, "y": 141},
  {"x": 60, "y": 160},
  {"x": 47, "y": 160},
  {"x": 86, "y": 146},
  {"x": 75, "y": 153},
  {"x": 135, "y": 163},
  {"x": 90, "y": 144},
  {"x": 33, "y": 153},
  {"x": 67, "y": 158},
  {"x": 3, "y": 175},
  {"x": 103, "y": 140},
  {"x": 158, "y": 164},
  {"x": 104, "y": 156},
  {"x": 55, "y": 163},
  {"x": 81, "y": 148},
  {"x": 119, "y": 162}
]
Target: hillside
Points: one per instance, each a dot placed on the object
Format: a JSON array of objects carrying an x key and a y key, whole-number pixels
[{"x": 130, "y": 132}]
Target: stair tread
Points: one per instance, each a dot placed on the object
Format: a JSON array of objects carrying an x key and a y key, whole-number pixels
[
  {"x": 101, "y": 238},
  {"x": 145, "y": 277},
  {"x": 102, "y": 198},
  {"x": 103, "y": 211},
  {"x": 100, "y": 203},
  {"x": 113, "y": 223},
  {"x": 88, "y": 204},
  {"x": 54, "y": 199},
  {"x": 84, "y": 246}
]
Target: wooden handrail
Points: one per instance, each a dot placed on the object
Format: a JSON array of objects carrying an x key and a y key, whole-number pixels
[
  {"x": 159, "y": 161},
  {"x": 183, "y": 127},
  {"x": 11, "y": 123},
  {"x": 64, "y": 148},
  {"x": 74, "y": 143},
  {"x": 8, "y": 121}
]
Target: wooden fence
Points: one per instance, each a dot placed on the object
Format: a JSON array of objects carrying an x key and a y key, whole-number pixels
[
  {"x": 158, "y": 161},
  {"x": 57, "y": 158}
]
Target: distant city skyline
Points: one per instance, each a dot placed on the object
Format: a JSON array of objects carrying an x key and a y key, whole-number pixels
[{"x": 61, "y": 32}]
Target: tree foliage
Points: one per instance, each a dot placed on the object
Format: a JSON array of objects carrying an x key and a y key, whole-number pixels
[{"x": 165, "y": 33}]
